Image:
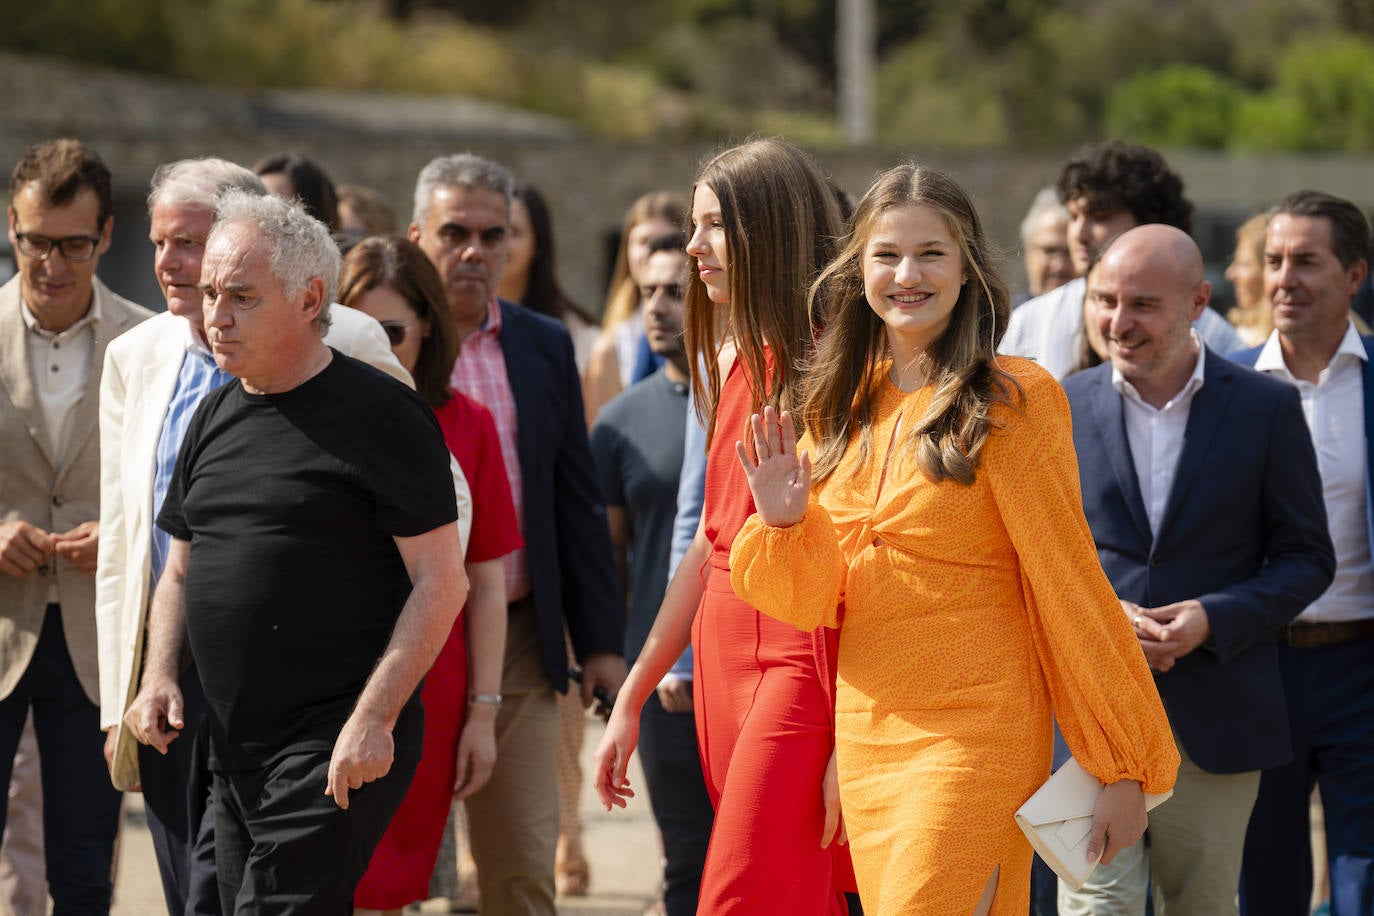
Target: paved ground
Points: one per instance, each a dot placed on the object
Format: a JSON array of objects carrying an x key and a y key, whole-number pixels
[{"x": 623, "y": 848}]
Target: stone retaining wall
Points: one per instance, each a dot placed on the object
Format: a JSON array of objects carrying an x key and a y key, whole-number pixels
[{"x": 137, "y": 122}]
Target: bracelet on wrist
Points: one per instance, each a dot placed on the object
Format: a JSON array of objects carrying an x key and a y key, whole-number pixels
[{"x": 491, "y": 699}]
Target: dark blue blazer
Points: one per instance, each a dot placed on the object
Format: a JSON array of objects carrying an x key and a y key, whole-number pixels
[
  {"x": 567, "y": 541},
  {"x": 1248, "y": 358},
  {"x": 1244, "y": 532}
]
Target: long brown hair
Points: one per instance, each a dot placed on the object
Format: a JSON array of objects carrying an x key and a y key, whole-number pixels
[
  {"x": 781, "y": 225},
  {"x": 622, "y": 296},
  {"x": 394, "y": 262},
  {"x": 853, "y": 350}
]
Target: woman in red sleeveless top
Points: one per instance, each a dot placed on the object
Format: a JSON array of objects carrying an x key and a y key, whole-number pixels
[
  {"x": 763, "y": 220},
  {"x": 392, "y": 280}
]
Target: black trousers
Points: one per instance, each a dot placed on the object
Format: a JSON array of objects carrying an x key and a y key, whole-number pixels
[
  {"x": 80, "y": 806},
  {"x": 284, "y": 847},
  {"x": 177, "y": 792},
  {"x": 677, "y": 793}
]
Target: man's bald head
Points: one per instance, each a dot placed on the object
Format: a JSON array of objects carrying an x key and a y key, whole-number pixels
[
  {"x": 1145, "y": 290},
  {"x": 1156, "y": 248}
]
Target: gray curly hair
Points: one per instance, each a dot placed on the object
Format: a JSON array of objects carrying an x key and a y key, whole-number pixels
[{"x": 301, "y": 246}]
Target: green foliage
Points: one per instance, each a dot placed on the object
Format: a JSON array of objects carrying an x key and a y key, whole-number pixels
[
  {"x": 1266, "y": 123},
  {"x": 1262, "y": 75},
  {"x": 1331, "y": 82},
  {"x": 1176, "y": 106},
  {"x": 919, "y": 108},
  {"x": 110, "y": 33}
]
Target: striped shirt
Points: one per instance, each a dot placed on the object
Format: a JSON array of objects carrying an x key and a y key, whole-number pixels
[
  {"x": 480, "y": 373},
  {"x": 198, "y": 377}
]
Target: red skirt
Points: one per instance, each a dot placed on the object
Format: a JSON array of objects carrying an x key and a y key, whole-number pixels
[{"x": 403, "y": 862}]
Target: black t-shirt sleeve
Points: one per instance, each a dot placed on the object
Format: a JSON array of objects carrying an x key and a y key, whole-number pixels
[{"x": 408, "y": 468}]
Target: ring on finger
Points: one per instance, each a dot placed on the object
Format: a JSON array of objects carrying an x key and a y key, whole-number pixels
[{"x": 1135, "y": 621}]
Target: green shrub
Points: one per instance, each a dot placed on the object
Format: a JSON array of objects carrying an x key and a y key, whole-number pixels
[{"x": 1175, "y": 106}]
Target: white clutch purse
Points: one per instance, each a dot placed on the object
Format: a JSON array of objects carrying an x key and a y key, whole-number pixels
[{"x": 1058, "y": 819}]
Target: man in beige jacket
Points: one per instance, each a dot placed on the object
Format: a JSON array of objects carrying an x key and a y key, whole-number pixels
[{"x": 56, "y": 320}]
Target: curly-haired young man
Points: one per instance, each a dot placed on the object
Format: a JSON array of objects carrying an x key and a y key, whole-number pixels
[{"x": 1107, "y": 189}]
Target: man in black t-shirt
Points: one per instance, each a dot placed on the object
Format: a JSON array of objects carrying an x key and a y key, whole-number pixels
[{"x": 315, "y": 570}]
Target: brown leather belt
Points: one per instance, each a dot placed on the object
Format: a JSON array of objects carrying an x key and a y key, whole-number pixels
[{"x": 1303, "y": 634}]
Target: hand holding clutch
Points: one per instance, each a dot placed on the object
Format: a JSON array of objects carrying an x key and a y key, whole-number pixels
[{"x": 1058, "y": 821}]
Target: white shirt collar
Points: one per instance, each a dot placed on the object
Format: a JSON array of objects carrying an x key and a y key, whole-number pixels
[
  {"x": 1190, "y": 387},
  {"x": 193, "y": 344},
  {"x": 92, "y": 316},
  {"x": 1270, "y": 358}
]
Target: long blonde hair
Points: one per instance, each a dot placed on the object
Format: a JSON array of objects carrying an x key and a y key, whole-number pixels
[
  {"x": 622, "y": 296},
  {"x": 781, "y": 224},
  {"x": 853, "y": 351}
]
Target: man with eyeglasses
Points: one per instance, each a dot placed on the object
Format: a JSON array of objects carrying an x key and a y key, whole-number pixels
[
  {"x": 519, "y": 364},
  {"x": 56, "y": 320},
  {"x": 155, "y": 377}
]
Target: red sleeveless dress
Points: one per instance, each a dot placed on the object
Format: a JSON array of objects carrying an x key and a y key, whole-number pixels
[
  {"x": 403, "y": 861},
  {"x": 764, "y": 698}
]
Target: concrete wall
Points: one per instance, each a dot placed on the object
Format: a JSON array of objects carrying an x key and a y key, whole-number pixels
[{"x": 138, "y": 122}]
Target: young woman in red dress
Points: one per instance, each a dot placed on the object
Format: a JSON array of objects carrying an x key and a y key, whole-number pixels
[
  {"x": 392, "y": 280},
  {"x": 763, "y": 222}
]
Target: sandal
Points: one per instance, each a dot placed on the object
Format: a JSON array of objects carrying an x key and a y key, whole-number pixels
[{"x": 571, "y": 876}]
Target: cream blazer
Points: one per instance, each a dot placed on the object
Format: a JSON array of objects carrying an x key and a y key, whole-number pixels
[
  {"x": 54, "y": 495},
  {"x": 141, "y": 370}
]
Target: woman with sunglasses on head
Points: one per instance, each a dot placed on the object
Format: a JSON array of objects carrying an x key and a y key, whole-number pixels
[
  {"x": 763, "y": 221},
  {"x": 945, "y": 539},
  {"x": 392, "y": 280}
]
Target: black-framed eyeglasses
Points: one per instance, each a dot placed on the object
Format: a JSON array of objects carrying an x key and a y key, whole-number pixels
[
  {"x": 73, "y": 247},
  {"x": 396, "y": 331},
  {"x": 671, "y": 290}
]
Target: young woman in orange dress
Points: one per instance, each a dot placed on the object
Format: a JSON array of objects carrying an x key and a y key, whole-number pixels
[
  {"x": 944, "y": 537},
  {"x": 763, "y": 222}
]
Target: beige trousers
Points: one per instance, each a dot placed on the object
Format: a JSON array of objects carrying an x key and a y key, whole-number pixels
[
  {"x": 514, "y": 817},
  {"x": 1193, "y": 857}
]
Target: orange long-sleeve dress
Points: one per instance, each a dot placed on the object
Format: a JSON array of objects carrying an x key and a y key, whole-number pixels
[
  {"x": 966, "y": 613},
  {"x": 763, "y": 702}
]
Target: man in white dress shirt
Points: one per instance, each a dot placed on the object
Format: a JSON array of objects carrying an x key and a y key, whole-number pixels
[
  {"x": 1315, "y": 258},
  {"x": 154, "y": 380},
  {"x": 1107, "y": 189}
]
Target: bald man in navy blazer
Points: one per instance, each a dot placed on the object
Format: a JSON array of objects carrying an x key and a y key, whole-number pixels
[{"x": 1202, "y": 492}]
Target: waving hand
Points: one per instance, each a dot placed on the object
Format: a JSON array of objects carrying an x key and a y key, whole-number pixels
[{"x": 780, "y": 480}]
